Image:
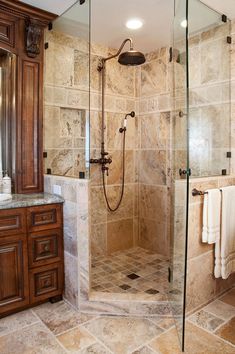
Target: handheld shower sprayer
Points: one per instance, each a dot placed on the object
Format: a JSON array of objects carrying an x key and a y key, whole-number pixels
[{"x": 131, "y": 114}]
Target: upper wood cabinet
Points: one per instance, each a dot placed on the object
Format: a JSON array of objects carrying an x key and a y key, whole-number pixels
[{"x": 21, "y": 33}]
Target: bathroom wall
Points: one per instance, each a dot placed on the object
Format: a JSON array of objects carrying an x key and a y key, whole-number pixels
[
  {"x": 209, "y": 122},
  {"x": 113, "y": 231},
  {"x": 201, "y": 256},
  {"x": 66, "y": 104},
  {"x": 202, "y": 286},
  {"x": 153, "y": 154}
]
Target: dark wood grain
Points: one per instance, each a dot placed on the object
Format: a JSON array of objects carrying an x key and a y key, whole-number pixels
[
  {"x": 12, "y": 222},
  {"x": 31, "y": 263},
  {"x": 45, "y": 247},
  {"x": 14, "y": 289}
]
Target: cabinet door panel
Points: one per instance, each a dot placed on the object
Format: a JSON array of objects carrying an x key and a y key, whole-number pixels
[
  {"x": 13, "y": 273},
  {"x": 29, "y": 164}
]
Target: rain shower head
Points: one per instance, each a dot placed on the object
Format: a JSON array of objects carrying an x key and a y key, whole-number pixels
[{"x": 132, "y": 57}]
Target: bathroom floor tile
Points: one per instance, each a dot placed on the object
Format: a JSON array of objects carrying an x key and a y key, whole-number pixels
[
  {"x": 227, "y": 331},
  {"x": 229, "y": 298},
  {"x": 76, "y": 339},
  {"x": 35, "y": 339},
  {"x": 137, "y": 268},
  {"x": 206, "y": 320},
  {"x": 197, "y": 341},
  {"x": 60, "y": 317},
  {"x": 123, "y": 334},
  {"x": 221, "y": 309},
  {"x": 17, "y": 321}
]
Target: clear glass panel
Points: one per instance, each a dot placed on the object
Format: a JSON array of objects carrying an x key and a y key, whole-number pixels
[
  {"x": 66, "y": 122},
  {"x": 179, "y": 162},
  {"x": 209, "y": 89}
]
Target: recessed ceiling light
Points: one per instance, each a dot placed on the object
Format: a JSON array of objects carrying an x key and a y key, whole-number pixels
[
  {"x": 134, "y": 23},
  {"x": 184, "y": 23}
]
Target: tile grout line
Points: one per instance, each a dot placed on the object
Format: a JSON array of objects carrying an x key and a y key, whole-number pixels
[
  {"x": 213, "y": 334},
  {"x": 51, "y": 333}
]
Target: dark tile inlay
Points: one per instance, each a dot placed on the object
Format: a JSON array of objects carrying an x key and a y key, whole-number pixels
[
  {"x": 133, "y": 276},
  {"x": 152, "y": 291},
  {"x": 124, "y": 286}
]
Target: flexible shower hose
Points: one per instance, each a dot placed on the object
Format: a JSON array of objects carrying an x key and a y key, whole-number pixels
[{"x": 123, "y": 179}]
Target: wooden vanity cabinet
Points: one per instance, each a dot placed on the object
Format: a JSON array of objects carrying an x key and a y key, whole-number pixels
[{"x": 31, "y": 256}]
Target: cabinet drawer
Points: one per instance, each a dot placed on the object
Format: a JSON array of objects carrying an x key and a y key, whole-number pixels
[
  {"x": 44, "y": 217},
  {"x": 46, "y": 282},
  {"x": 45, "y": 247},
  {"x": 12, "y": 222}
]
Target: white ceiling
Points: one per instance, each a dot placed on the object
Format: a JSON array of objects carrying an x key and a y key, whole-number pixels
[{"x": 108, "y": 18}]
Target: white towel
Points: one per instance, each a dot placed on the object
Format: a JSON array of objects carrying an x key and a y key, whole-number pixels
[
  {"x": 227, "y": 244},
  {"x": 211, "y": 216}
]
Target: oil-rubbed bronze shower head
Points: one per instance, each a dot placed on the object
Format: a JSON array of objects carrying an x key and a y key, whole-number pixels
[{"x": 132, "y": 57}]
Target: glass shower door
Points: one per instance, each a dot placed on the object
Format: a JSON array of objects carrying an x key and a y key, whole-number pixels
[{"x": 179, "y": 167}]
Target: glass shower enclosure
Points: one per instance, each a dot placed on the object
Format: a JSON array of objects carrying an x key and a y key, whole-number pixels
[{"x": 201, "y": 126}]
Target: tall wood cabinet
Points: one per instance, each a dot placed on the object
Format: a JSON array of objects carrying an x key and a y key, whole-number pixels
[{"x": 21, "y": 33}]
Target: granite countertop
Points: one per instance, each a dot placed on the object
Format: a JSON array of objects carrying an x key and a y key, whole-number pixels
[{"x": 29, "y": 200}]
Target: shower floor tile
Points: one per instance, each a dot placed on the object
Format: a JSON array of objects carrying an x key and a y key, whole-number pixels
[{"x": 132, "y": 271}]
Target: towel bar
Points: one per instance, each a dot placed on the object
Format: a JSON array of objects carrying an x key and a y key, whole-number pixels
[{"x": 196, "y": 192}]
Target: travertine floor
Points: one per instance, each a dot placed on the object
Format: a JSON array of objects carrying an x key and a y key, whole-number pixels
[
  {"x": 132, "y": 271},
  {"x": 58, "y": 329}
]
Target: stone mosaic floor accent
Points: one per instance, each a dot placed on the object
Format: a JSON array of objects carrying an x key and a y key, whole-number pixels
[
  {"x": 132, "y": 271},
  {"x": 59, "y": 329}
]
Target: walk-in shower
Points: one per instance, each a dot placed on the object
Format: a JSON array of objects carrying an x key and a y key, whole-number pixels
[
  {"x": 130, "y": 58},
  {"x": 140, "y": 125}
]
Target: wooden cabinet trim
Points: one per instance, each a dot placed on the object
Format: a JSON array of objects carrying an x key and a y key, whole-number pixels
[
  {"x": 12, "y": 221},
  {"x": 44, "y": 217},
  {"x": 46, "y": 282},
  {"x": 14, "y": 285},
  {"x": 45, "y": 247}
]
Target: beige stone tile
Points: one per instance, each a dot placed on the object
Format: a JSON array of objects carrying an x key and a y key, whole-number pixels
[
  {"x": 206, "y": 320},
  {"x": 98, "y": 239},
  {"x": 17, "y": 321},
  {"x": 115, "y": 168},
  {"x": 153, "y": 167},
  {"x": 35, "y": 339},
  {"x": 221, "y": 309},
  {"x": 200, "y": 276},
  {"x": 126, "y": 209},
  {"x": 163, "y": 322},
  {"x": 122, "y": 334},
  {"x": 198, "y": 341},
  {"x": 153, "y": 236},
  {"x": 227, "y": 331},
  {"x": 229, "y": 298},
  {"x": 155, "y": 130},
  {"x": 60, "y": 317},
  {"x": 96, "y": 348},
  {"x": 98, "y": 206},
  {"x": 119, "y": 235},
  {"x": 71, "y": 279},
  {"x": 76, "y": 339},
  {"x": 153, "y": 78},
  {"x": 153, "y": 202},
  {"x": 144, "y": 350},
  {"x": 120, "y": 79}
]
